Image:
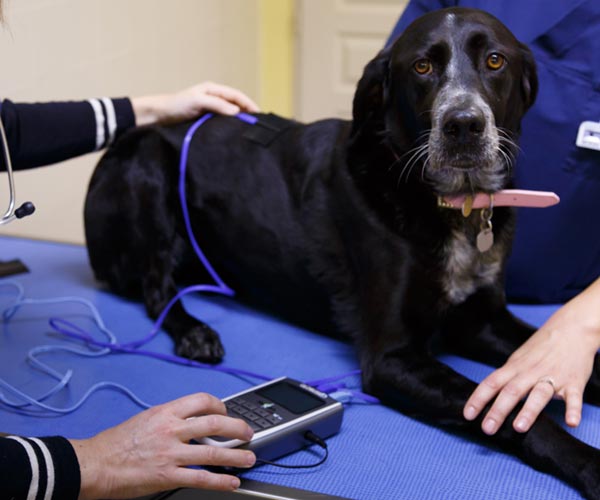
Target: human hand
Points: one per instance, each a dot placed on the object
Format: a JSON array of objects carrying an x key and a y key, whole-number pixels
[
  {"x": 191, "y": 102},
  {"x": 150, "y": 452},
  {"x": 556, "y": 361}
]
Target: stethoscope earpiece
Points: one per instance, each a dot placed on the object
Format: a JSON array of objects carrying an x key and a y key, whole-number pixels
[{"x": 24, "y": 210}]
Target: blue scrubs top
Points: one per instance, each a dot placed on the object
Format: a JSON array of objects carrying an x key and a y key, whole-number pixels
[{"x": 556, "y": 253}]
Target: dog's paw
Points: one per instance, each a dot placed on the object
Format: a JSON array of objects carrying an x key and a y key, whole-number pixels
[{"x": 201, "y": 343}]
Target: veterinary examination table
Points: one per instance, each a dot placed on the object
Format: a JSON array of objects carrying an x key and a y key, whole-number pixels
[{"x": 378, "y": 454}]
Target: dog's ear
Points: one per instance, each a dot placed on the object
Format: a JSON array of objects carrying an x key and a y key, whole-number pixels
[
  {"x": 529, "y": 80},
  {"x": 367, "y": 107}
]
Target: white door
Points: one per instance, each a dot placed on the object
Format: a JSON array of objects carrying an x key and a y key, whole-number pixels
[{"x": 335, "y": 39}]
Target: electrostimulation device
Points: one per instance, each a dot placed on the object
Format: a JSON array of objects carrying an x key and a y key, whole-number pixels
[{"x": 281, "y": 412}]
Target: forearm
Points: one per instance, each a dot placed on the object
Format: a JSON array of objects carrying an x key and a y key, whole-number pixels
[
  {"x": 584, "y": 310},
  {"x": 45, "y": 133},
  {"x": 93, "y": 472},
  {"x": 149, "y": 109}
]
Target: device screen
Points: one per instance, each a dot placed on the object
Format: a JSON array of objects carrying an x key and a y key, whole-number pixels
[{"x": 290, "y": 397}]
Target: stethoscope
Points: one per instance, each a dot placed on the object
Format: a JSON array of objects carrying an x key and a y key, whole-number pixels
[{"x": 26, "y": 208}]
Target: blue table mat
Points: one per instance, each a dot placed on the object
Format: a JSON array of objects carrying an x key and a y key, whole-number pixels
[{"x": 379, "y": 453}]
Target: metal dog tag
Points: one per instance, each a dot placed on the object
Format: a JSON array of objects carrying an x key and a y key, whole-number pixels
[{"x": 485, "y": 239}]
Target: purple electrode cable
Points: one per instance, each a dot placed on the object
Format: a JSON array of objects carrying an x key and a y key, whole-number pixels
[
  {"x": 73, "y": 331},
  {"x": 70, "y": 330},
  {"x": 221, "y": 287}
]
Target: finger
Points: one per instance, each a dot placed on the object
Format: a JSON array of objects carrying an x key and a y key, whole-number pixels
[
  {"x": 199, "y": 454},
  {"x": 218, "y": 105},
  {"x": 574, "y": 404},
  {"x": 203, "y": 479},
  {"x": 507, "y": 400},
  {"x": 233, "y": 95},
  {"x": 538, "y": 398},
  {"x": 216, "y": 425},
  {"x": 196, "y": 404},
  {"x": 485, "y": 392}
]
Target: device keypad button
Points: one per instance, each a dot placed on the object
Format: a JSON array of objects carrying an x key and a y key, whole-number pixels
[
  {"x": 273, "y": 420},
  {"x": 263, "y": 423},
  {"x": 251, "y": 416},
  {"x": 254, "y": 426},
  {"x": 262, "y": 413}
]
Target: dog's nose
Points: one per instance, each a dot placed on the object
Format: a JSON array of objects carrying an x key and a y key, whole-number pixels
[{"x": 464, "y": 125}]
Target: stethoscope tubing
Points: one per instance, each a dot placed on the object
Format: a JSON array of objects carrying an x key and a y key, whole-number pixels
[{"x": 9, "y": 215}]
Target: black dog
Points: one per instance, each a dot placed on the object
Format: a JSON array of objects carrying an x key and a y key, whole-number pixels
[{"x": 336, "y": 224}]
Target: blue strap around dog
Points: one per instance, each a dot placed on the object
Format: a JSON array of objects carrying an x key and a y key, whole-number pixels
[{"x": 556, "y": 252}]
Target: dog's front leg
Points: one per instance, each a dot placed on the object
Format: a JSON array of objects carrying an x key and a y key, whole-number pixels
[
  {"x": 193, "y": 338},
  {"x": 420, "y": 386}
]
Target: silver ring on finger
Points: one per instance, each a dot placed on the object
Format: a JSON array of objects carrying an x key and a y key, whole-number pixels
[{"x": 547, "y": 380}]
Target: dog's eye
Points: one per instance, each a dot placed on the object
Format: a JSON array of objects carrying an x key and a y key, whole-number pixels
[
  {"x": 495, "y": 61},
  {"x": 423, "y": 66}
]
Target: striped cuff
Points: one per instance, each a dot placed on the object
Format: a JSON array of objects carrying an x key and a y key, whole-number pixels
[
  {"x": 39, "y": 468},
  {"x": 112, "y": 117}
]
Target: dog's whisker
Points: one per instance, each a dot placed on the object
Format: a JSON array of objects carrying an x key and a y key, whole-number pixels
[
  {"x": 424, "y": 168},
  {"x": 508, "y": 159},
  {"x": 508, "y": 140},
  {"x": 406, "y": 169},
  {"x": 424, "y": 134},
  {"x": 393, "y": 164},
  {"x": 425, "y": 112},
  {"x": 418, "y": 154},
  {"x": 506, "y": 137},
  {"x": 414, "y": 151},
  {"x": 510, "y": 152}
]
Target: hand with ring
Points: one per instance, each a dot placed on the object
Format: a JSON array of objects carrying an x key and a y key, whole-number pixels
[{"x": 555, "y": 362}]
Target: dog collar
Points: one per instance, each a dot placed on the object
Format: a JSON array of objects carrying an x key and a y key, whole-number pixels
[{"x": 503, "y": 198}]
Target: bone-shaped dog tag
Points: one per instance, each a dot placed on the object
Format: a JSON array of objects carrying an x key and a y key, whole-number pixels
[{"x": 485, "y": 239}]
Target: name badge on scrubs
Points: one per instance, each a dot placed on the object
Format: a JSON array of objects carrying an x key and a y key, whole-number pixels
[{"x": 589, "y": 135}]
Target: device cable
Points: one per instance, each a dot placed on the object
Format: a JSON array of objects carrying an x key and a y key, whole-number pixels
[{"x": 309, "y": 436}]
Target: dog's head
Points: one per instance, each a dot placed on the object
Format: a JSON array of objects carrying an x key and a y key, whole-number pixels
[{"x": 448, "y": 96}]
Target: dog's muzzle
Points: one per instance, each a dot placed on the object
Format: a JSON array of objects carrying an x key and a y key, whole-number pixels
[{"x": 463, "y": 145}]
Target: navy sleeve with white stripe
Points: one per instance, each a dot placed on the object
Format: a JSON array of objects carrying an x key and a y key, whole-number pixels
[
  {"x": 38, "y": 469},
  {"x": 45, "y": 133}
]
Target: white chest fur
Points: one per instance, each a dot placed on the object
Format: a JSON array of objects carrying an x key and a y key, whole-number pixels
[{"x": 466, "y": 268}]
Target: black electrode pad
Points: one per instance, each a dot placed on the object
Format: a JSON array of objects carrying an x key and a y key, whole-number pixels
[{"x": 268, "y": 128}]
